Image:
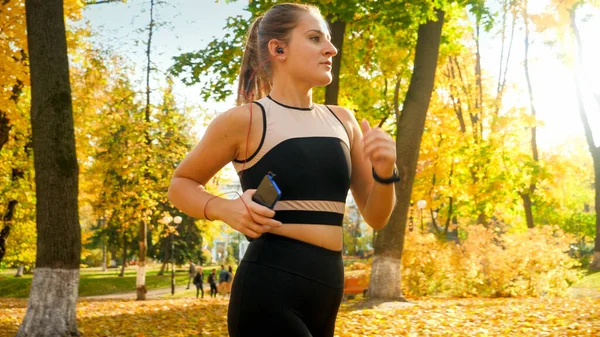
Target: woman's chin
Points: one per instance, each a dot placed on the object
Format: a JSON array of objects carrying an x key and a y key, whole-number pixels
[{"x": 325, "y": 80}]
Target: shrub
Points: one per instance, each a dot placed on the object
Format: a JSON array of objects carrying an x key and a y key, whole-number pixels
[{"x": 487, "y": 263}]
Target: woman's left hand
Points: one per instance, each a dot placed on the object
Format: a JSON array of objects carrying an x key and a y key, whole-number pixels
[{"x": 380, "y": 148}]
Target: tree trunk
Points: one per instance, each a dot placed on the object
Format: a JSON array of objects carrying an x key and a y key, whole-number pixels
[
  {"x": 528, "y": 209},
  {"x": 124, "y": 261},
  {"x": 103, "y": 254},
  {"x": 528, "y": 194},
  {"x": 140, "y": 281},
  {"x": 594, "y": 150},
  {"x": 53, "y": 296},
  {"x": 4, "y": 129},
  {"x": 5, "y": 232},
  {"x": 389, "y": 243},
  {"x": 165, "y": 264},
  {"x": 596, "y": 257},
  {"x": 20, "y": 270},
  {"x": 338, "y": 29}
]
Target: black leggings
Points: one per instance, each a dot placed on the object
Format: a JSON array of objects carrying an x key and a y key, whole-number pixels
[
  {"x": 286, "y": 287},
  {"x": 213, "y": 290},
  {"x": 199, "y": 288}
]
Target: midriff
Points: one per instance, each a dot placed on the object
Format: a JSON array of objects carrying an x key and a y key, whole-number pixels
[{"x": 326, "y": 236}]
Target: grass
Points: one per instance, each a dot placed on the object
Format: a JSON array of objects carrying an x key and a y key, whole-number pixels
[
  {"x": 93, "y": 282},
  {"x": 590, "y": 280}
]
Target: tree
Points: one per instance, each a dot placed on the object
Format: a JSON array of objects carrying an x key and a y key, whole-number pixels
[
  {"x": 53, "y": 296},
  {"x": 528, "y": 193},
  {"x": 140, "y": 283},
  {"x": 594, "y": 150},
  {"x": 389, "y": 242}
]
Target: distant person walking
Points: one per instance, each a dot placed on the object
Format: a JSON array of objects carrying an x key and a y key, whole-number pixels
[
  {"x": 223, "y": 277},
  {"x": 191, "y": 273},
  {"x": 229, "y": 280},
  {"x": 212, "y": 281},
  {"x": 198, "y": 282}
]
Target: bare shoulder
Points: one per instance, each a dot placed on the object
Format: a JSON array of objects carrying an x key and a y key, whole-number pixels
[
  {"x": 219, "y": 145},
  {"x": 344, "y": 114},
  {"x": 237, "y": 118}
]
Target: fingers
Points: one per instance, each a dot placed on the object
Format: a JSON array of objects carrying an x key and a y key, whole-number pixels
[
  {"x": 261, "y": 210},
  {"x": 257, "y": 226},
  {"x": 250, "y": 233},
  {"x": 377, "y": 139},
  {"x": 255, "y": 219},
  {"x": 364, "y": 125},
  {"x": 265, "y": 221},
  {"x": 256, "y": 207},
  {"x": 376, "y": 148}
]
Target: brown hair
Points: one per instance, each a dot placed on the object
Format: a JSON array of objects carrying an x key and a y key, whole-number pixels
[{"x": 255, "y": 72}]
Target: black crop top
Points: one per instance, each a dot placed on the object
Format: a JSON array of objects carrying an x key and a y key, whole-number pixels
[{"x": 309, "y": 151}]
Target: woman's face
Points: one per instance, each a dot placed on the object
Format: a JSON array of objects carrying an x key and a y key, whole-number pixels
[{"x": 308, "y": 56}]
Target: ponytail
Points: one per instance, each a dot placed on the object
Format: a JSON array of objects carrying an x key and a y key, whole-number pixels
[{"x": 253, "y": 82}]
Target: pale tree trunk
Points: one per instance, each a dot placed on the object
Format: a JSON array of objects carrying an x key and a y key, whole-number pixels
[
  {"x": 53, "y": 296},
  {"x": 389, "y": 242},
  {"x": 140, "y": 281},
  {"x": 20, "y": 270},
  {"x": 594, "y": 150},
  {"x": 51, "y": 308}
]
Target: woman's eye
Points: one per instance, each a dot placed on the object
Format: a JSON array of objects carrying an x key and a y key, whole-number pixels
[{"x": 315, "y": 38}]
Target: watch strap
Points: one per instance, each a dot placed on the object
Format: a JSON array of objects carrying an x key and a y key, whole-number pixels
[{"x": 394, "y": 178}]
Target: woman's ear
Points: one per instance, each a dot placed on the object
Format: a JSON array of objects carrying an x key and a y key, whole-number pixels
[{"x": 276, "y": 48}]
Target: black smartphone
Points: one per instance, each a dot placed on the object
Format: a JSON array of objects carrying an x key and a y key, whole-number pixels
[{"x": 267, "y": 192}]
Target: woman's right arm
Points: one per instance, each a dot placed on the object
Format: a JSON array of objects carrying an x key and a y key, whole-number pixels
[{"x": 219, "y": 146}]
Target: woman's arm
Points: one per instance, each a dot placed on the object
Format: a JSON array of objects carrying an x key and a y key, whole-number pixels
[
  {"x": 224, "y": 138},
  {"x": 372, "y": 148}
]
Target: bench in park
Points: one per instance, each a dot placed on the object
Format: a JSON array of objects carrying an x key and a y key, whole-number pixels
[{"x": 356, "y": 283}]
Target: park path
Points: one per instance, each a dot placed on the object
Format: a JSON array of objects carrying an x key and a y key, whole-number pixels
[
  {"x": 584, "y": 292},
  {"x": 157, "y": 293},
  {"x": 153, "y": 293}
]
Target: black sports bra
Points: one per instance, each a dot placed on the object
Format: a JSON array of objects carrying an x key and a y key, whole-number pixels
[{"x": 308, "y": 149}]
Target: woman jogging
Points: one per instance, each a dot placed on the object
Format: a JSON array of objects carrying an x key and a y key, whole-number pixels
[{"x": 290, "y": 281}]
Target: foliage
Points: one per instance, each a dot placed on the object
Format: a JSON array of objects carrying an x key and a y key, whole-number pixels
[
  {"x": 188, "y": 242},
  {"x": 215, "y": 66},
  {"x": 490, "y": 263},
  {"x": 427, "y": 317},
  {"x": 135, "y": 160}
]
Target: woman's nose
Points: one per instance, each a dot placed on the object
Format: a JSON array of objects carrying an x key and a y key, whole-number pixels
[{"x": 331, "y": 50}]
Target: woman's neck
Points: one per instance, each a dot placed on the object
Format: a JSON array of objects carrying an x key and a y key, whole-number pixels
[{"x": 292, "y": 94}]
